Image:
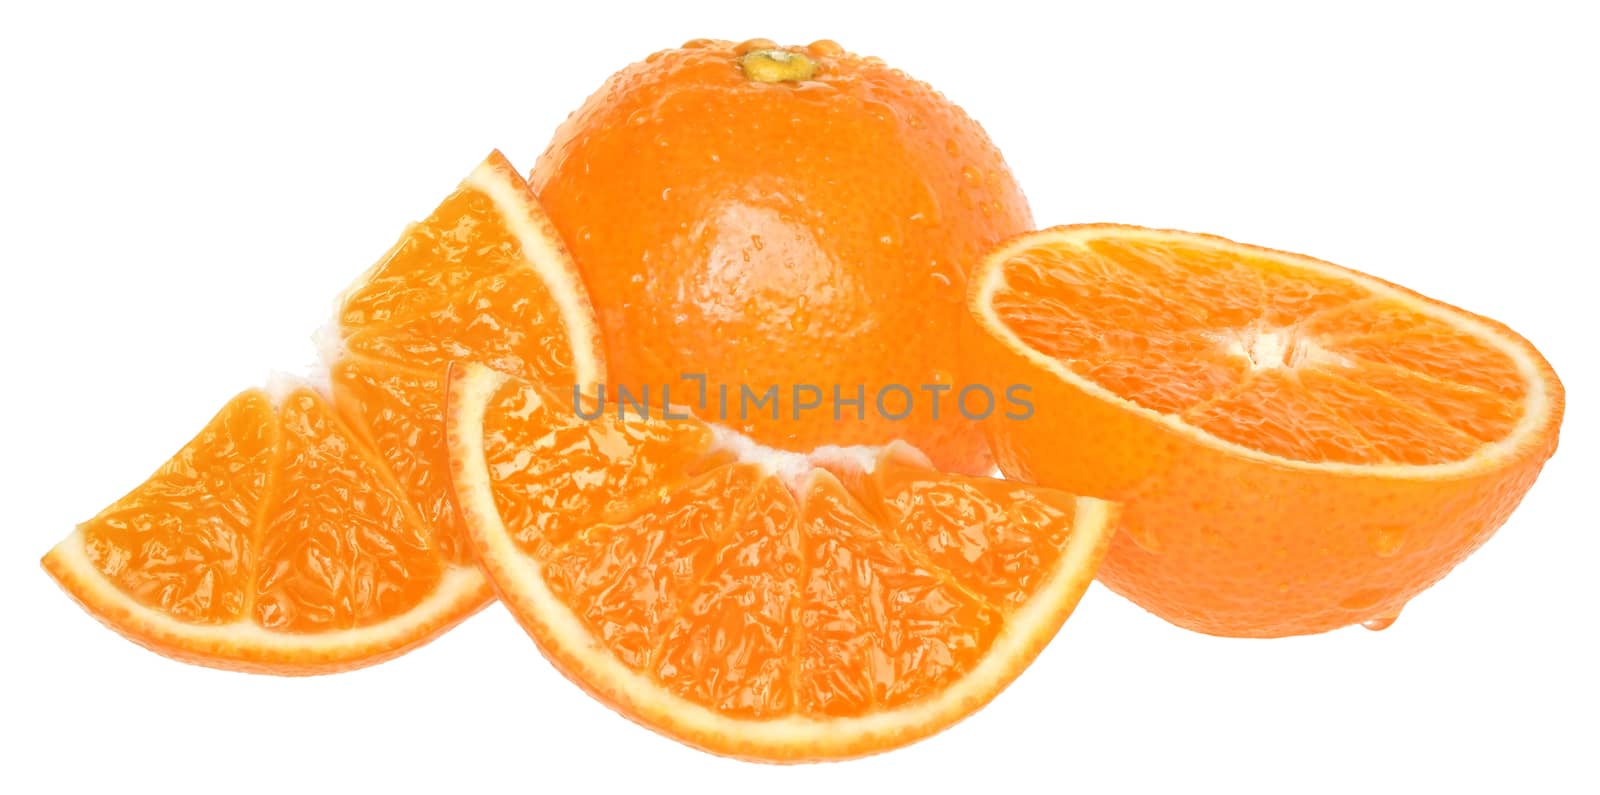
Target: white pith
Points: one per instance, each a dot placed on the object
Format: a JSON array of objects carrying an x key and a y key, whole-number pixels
[
  {"x": 1273, "y": 348},
  {"x": 990, "y": 279},
  {"x": 521, "y": 584},
  {"x": 793, "y": 468},
  {"x": 460, "y": 589},
  {"x": 280, "y": 385},
  {"x": 551, "y": 262}
]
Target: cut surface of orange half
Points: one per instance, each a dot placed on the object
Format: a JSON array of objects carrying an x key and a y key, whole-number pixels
[
  {"x": 275, "y": 541},
  {"x": 1299, "y": 446},
  {"x": 766, "y": 605},
  {"x": 301, "y": 535}
]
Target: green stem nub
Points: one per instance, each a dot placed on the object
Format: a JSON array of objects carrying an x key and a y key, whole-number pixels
[{"x": 777, "y": 66}]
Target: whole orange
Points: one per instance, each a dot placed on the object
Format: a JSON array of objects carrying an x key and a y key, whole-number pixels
[{"x": 798, "y": 219}]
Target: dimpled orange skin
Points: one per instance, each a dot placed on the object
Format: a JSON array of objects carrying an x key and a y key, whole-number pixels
[
  {"x": 813, "y": 231},
  {"x": 1250, "y": 537},
  {"x": 1229, "y": 546}
]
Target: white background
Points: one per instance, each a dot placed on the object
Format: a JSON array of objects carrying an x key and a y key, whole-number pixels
[{"x": 184, "y": 190}]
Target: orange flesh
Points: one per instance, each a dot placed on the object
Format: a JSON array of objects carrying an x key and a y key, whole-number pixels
[
  {"x": 456, "y": 288},
  {"x": 275, "y": 515},
  {"x": 390, "y": 405},
  {"x": 1234, "y": 344},
  {"x": 184, "y": 541},
  {"x": 753, "y": 595}
]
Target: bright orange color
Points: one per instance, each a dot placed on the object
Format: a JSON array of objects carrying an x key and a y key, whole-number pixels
[
  {"x": 1299, "y": 446},
  {"x": 768, "y": 605},
  {"x": 281, "y": 540},
  {"x": 816, "y": 229},
  {"x": 484, "y": 279},
  {"x": 274, "y": 542}
]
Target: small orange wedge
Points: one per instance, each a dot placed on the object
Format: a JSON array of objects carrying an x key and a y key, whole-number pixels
[
  {"x": 299, "y": 535},
  {"x": 1299, "y": 446},
  {"x": 275, "y": 541},
  {"x": 755, "y": 603}
]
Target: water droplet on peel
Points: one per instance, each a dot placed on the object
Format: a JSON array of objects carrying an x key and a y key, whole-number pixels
[
  {"x": 1144, "y": 537},
  {"x": 1380, "y": 624},
  {"x": 971, "y": 175},
  {"x": 825, "y": 47},
  {"x": 1388, "y": 540},
  {"x": 754, "y": 44},
  {"x": 800, "y": 315}
]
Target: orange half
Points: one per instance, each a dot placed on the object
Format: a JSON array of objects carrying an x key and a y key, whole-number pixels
[{"x": 1299, "y": 446}]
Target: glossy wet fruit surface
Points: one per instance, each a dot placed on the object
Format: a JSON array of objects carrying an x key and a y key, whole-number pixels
[
  {"x": 769, "y": 605},
  {"x": 302, "y": 535},
  {"x": 792, "y": 216},
  {"x": 274, "y": 541},
  {"x": 483, "y": 279},
  {"x": 1300, "y": 446}
]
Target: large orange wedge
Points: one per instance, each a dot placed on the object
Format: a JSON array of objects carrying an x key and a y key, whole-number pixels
[
  {"x": 299, "y": 536},
  {"x": 1300, "y": 446},
  {"x": 767, "y": 605}
]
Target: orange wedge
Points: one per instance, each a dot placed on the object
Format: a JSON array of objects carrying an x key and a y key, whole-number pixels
[
  {"x": 484, "y": 279},
  {"x": 755, "y": 603},
  {"x": 1299, "y": 446},
  {"x": 299, "y": 536},
  {"x": 275, "y": 541}
]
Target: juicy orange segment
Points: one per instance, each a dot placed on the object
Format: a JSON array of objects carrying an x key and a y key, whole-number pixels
[
  {"x": 1232, "y": 342},
  {"x": 273, "y": 541},
  {"x": 1265, "y": 416},
  {"x": 339, "y": 546},
  {"x": 184, "y": 542},
  {"x": 484, "y": 279},
  {"x": 757, "y": 603},
  {"x": 394, "y": 404},
  {"x": 294, "y": 536}
]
